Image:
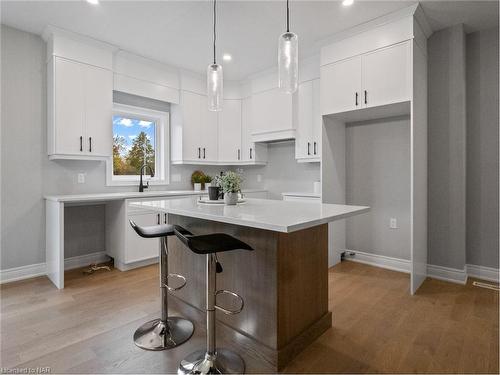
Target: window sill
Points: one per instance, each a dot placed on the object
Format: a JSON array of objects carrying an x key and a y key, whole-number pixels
[{"x": 136, "y": 183}]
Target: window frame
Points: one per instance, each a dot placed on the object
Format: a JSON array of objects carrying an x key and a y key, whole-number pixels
[{"x": 162, "y": 147}]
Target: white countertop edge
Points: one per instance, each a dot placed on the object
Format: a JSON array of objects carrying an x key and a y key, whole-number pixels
[
  {"x": 97, "y": 197},
  {"x": 302, "y": 194},
  {"x": 254, "y": 224}
]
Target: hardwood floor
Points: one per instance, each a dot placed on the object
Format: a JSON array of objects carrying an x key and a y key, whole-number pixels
[{"x": 377, "y": 326}]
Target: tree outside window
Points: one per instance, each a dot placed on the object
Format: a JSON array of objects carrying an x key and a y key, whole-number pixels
[{"x": 133, "y": 145}]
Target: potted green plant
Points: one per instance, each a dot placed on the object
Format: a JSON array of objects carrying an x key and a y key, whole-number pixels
[
  {"x": 197, "y": 178},
  {"x": 230, "y": 183},
  {"x": 207, "y": 180}
]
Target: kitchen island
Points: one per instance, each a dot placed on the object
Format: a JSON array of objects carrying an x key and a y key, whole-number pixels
[{"x": 284, "y": 281}]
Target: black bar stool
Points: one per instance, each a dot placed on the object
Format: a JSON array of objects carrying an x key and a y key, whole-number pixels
[
  {"x": 212, "y": 360},
  {"x": 166, "y": 332}
]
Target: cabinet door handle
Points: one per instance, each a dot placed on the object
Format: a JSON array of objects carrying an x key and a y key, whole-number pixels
[
  {"x": 81, "y": 143},
  {"x": 238, "y": 154},
  {"x": 366, "y": 100},
  {"x": 250, "y": 152},
  {"x": 199, "y": 152},
  {"x": 356, "y": 99},
  {"x": 90, "y": 144},
  {"x": 308, "y": 148},
  {"x": 203, "y": 152},
  {"x": 158, "y": 219},
  {"x": 314, "y": 148},
  {"x": 165, "y": 218}
]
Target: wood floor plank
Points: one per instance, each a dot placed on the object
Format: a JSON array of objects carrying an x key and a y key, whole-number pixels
[{"x": 377, "y": 326}]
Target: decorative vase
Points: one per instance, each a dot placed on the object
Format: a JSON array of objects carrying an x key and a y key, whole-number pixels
[
  {"x": 213, "y": 193},
  {"x": 230, "y": 198},
  {"x": 197, "y": 186}
]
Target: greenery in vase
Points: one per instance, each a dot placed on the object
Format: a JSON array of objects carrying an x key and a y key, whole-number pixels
[
  {"x": 207, "y": 179},
  {"x": 230, "y": 182},
  {"x": 197, "y": 177}
]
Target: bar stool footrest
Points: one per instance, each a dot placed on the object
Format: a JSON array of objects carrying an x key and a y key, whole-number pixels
[
  {"x": 227, "y": 311},
  {"x": 175, "y": 275}
]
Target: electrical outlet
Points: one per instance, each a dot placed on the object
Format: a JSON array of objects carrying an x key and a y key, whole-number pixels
[
  {"x": 259, "y": 178},
  {"x": 81, "y": 178},
  {"x": 393, "y": 223}
]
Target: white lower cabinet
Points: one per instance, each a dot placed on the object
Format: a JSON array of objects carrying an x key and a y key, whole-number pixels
[{"x": 138, "y": 248}]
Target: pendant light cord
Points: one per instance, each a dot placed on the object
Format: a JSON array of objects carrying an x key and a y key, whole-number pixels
[
  {"x": 215, "y": 21},
  {"x": 287, "y": 17}
]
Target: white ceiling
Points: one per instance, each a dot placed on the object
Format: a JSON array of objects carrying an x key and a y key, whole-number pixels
[{"x": 179, "y": 32}]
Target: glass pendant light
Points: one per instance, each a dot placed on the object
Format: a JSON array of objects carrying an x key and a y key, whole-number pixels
[
  {"x": 288, "y": 58},
  {"x": 214, "y": 78}
]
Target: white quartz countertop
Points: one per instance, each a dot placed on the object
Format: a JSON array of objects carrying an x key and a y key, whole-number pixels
[
  {"x": 302, "y": 194},
  {"x": 275, "y": 215},
  {"x": 74, "y": 198}
]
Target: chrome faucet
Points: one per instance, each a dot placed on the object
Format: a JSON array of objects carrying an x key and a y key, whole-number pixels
[{"x": 141, "y": 185}]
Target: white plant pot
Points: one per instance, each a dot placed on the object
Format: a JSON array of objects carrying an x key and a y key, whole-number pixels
[
  {"x": 230, "y": 198},
  {"x": 197, "y": 186}
]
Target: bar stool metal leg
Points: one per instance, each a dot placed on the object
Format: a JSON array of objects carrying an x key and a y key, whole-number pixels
[
  {"x": 211, "y": 360},
  {"x": 166, "y": 332}
]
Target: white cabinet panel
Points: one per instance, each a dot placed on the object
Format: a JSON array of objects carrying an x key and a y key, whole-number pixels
[
  {"x": 138, "y": 248},
  {"x": 309, "y": 120},
  {"x": 304, "y": 117},
  {"x": 68, "y": 106},
  {"x": 341, "y": 86},
  {"x": 250, "y": 151},
  {"x": 191, "y": 121},
  {"x": 386, "y": 76},
  {"x": 230, "y": 131},
  {"x": 272, "y": 114},
  {"x": 98, "y": 116},
  {"x": 208, "y": 132},
  {"x": 80, "y": 110}
]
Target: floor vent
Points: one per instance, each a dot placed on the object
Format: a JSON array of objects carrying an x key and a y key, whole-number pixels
[{"x": 486, "y": 286}]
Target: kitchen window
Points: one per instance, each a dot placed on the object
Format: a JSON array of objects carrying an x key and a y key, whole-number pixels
[{"x": 140, "y": 137}]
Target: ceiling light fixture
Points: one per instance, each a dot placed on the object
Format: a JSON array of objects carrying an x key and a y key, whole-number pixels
[
  {"x": 214, "y": 77},
  {"x": 288, "y": 58},
  {"x": 93, "y": 2},
  {"x": 227, "y": 57},
  {"x": 347, "y": 2}
]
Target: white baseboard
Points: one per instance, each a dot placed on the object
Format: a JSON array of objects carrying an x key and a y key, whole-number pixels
[
  {"x": 40, "y": 269},
  {"x": 23, "y": 272},
  {"x": 483, "y": 273},
  {"x": 447, "y": 274},
  {"x": 382, "y": 261}
]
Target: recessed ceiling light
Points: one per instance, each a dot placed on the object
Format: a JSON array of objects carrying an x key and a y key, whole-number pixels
[
  {"x": 347, "y": 2},
  {"x": 227, "y": 57},
  {"x": 93, "y": 2}
]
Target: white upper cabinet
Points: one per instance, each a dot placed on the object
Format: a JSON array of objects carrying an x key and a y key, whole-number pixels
[
  {"x": 386, "y": 75},
  {"x": 230, "y": 131},
  {"x": 272, "y": 116},
  {"x": 308, "y": 118},
  {"x": 79, "y": 113},
  {"x": 250, "y": 152},
  {"x": 341, "y": 86},
  {"x": 373, "y": 79},
  {"x": 194, "y": 130}
]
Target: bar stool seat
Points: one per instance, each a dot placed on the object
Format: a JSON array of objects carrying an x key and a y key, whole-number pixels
[
  {"x": 212, "y": 360},
  {"x": 165, "y": 332}
]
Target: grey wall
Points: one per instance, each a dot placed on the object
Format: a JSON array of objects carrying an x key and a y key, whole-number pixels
[
  {"x": 446, "y": 148},
  {"x": 28, "y": 175},
  {"x": 482, "y": 148},
  {"x": 378, "y": 175}
]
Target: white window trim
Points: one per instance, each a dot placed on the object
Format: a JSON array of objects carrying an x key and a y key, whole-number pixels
[{"x": 162, "y": 147}]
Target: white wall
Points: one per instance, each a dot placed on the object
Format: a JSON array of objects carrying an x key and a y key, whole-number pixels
[{"x": 378, "y": 175}]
